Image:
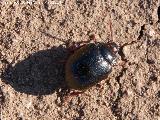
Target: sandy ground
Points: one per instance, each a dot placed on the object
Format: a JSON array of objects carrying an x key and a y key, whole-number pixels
[{"x": 32, "y": 38}]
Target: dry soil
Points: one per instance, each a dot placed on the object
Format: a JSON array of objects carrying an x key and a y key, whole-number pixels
[{"x": 33, "y": 37}]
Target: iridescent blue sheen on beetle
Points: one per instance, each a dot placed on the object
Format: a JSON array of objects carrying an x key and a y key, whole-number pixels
[{"x": 90, "y": 64}]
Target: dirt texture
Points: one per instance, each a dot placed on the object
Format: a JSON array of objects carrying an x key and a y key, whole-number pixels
[{"x": 34, "y": 39}]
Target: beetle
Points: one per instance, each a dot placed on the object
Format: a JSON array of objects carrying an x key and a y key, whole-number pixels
[{"x": 90, "y": 64}]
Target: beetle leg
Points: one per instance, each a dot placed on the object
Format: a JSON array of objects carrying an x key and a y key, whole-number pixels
[
  {"x": 75, "y": 93},
  {"x": 100, "y": 87},
  {"x": 120, "y": 63},
  {"x": 69, "y": 97},
  {"x": 77, "y": 45},
  {"x": 73, "y": 47}
]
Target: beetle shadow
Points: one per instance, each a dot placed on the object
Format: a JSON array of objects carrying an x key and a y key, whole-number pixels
[{"x": 41, "y": 73}]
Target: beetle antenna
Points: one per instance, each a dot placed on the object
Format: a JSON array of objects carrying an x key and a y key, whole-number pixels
[{"x": 111, "y": 32}]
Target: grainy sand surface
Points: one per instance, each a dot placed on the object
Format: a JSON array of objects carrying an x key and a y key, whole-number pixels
[{"x": 32, "y": 41}]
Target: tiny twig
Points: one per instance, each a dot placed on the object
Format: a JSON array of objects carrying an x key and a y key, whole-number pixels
[{"x": 54, "y": 37}]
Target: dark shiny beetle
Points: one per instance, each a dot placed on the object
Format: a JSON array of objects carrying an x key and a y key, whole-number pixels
[{"x": 90, "y": 64}]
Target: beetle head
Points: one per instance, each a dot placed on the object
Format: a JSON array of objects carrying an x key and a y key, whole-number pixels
[
  {"x": 109, "y": 52},
  {"x": 113, "y": 47}
]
